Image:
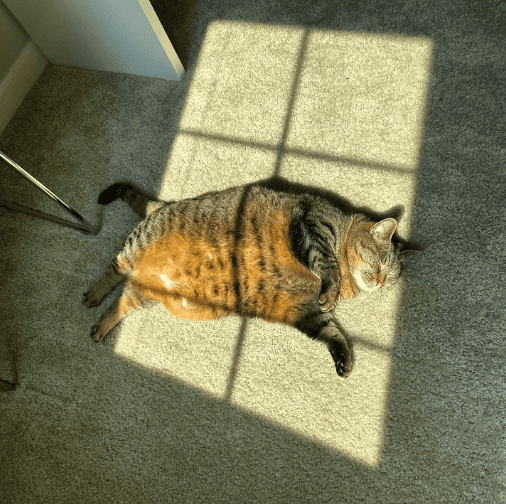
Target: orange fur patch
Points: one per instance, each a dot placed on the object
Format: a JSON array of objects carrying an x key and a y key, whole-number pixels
[{"x": 194, "y": 277}]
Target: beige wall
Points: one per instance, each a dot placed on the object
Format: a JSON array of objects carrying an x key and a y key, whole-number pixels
[
  {"x": 110, "y": 35},
  {"x": 12, "y": 39},
  {"x": 21, "y": 64}
]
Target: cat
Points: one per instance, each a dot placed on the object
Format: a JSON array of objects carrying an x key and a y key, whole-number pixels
[{"x": 251, "y": 251}]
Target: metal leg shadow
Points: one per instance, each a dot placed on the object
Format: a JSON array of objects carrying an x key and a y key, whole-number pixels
[{"x": 86, "y": 227}]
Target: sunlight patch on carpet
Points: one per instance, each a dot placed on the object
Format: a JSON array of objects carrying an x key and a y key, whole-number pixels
[{"x": 338, "y": 111}]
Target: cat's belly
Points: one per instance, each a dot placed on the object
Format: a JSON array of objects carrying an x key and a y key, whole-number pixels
[
  {"x": 195, "y": 302},
  {"x": 186, "y": 298},
  {"x": 283, "y": 306},
  {"x": 178, "y": 297},
  {"x": 197, "y": 280},
  {"x": 181, "y": 295}
]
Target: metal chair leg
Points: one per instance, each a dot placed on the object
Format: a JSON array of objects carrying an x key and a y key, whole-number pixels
[{"x": 86, "y": 227}]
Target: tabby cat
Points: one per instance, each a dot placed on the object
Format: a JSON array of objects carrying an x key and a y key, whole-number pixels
[{"x": 251, "y": 251}]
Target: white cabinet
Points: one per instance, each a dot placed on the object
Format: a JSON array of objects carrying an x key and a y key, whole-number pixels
[{"x": 110, "y": 35}]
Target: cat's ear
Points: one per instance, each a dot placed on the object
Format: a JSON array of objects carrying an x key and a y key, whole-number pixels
[
  {"x": 383, "y": 230},
  {"x": 405, "y": 252}
]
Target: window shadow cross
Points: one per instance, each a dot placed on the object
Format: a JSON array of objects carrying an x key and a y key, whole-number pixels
[{"x": 239, "y": 220}]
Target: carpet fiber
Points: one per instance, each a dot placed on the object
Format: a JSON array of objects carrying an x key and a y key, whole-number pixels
[{"x": 390, "y": 108}]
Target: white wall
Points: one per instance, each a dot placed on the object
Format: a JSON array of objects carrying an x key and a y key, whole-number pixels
[
  {"x": 12, "y": 39},
  {"x": 21, "y": 64},
  {"x": 111, "y": 35}
]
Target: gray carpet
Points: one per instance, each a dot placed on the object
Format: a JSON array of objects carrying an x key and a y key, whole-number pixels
[{"x": 386, "y": 106}]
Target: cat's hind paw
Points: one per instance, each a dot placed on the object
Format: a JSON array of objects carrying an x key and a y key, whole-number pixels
[{"x": 97, "y": 333}]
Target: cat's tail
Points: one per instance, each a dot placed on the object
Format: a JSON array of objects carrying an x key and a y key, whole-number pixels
[{"x": 138, "y": 201}]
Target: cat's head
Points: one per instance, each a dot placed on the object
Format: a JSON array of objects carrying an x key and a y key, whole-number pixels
[{"x": 375, "y": 262}]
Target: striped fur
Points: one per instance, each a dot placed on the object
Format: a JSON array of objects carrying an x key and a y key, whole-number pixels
[{"x": 250, "y": 251}]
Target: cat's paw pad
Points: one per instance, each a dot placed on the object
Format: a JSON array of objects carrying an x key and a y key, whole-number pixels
[
  {"x": 342, "y": 360},
  {"x": 91, "y": 299}
]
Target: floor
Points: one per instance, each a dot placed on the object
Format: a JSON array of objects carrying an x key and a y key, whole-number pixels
[{"x": 389, "y": 107}]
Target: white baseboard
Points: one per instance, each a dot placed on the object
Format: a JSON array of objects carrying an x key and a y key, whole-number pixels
[{"x": 20, "y": 78}]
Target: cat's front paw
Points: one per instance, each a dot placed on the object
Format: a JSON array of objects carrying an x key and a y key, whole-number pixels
[
  {"x": 342, "y": 359},
  {"x": 328, "y": 297}
]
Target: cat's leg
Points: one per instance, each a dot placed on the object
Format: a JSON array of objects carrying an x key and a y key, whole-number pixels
[
  {"x": 105, "y": 285},
  {"x": 129, "y": 299},
  {"x": 326, "y": 269},
  {"x": 314, "y": 243},
  {"x": 324, "y": 327}
]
